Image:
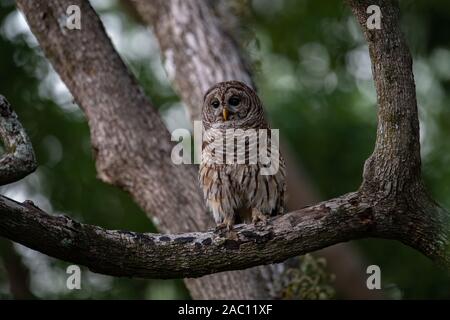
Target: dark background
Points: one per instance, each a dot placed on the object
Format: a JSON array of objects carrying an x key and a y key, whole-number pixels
[{"x": 313, "y": 72}]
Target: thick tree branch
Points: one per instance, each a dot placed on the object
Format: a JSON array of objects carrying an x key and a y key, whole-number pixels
[
  {"x": 124, "y": 253},
  {"x": 19, "y": 159},
  {"x": 392, "y": 172},
  {"x": 395, "y": 162}
]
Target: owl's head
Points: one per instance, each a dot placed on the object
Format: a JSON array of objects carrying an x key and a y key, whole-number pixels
[{"x": 232, "y": 104}]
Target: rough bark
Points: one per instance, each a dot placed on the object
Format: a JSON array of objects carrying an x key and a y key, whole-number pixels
[
  {"x": 395, "y": 162},
  {"x": 125, "y": 253},
  {"x": 19, "y": 159},
  {"x": 392, "y": 174},
  {"x": 391, "y": 203}
]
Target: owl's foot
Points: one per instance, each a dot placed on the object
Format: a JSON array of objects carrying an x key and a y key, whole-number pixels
[
  {"x": 220, "y": 227},
  {"x": 226, "y": 229},
  {"x": 228, "y": 226},
  {"x": 259, "y": 217},
  {"x": 232, "y": 235}
]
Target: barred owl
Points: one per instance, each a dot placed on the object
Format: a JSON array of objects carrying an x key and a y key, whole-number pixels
[{"x": 234, "y": 185}]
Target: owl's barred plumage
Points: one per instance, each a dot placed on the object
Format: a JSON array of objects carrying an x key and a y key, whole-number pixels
[{"x": 238, "y": 192}]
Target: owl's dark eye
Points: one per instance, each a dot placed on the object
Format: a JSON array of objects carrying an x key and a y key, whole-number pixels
[
  {"x": 234, "y": 101},
  {"x": 215, "y": 104}
]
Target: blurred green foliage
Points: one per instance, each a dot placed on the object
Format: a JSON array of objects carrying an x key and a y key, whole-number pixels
[
  {"x": 309, "y": 280},
  {"x": 313, "y": 72}
]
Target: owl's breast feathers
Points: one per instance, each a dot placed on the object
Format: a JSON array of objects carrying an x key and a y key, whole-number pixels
[
  {"x": 232, "y": 189},
  {"x": 238, "y": 146}
]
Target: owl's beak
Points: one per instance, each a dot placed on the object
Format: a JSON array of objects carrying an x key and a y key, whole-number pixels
[{"x": 225, "y": 114}]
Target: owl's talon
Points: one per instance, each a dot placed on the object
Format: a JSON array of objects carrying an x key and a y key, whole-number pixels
[
  {"x": 226, "y": 229},
  {"x": 259, "y": 218},
  {"x": 232, "y": 235},
  {"x": 220, "y": 227},
  {"x": 260, "y": 222}
]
